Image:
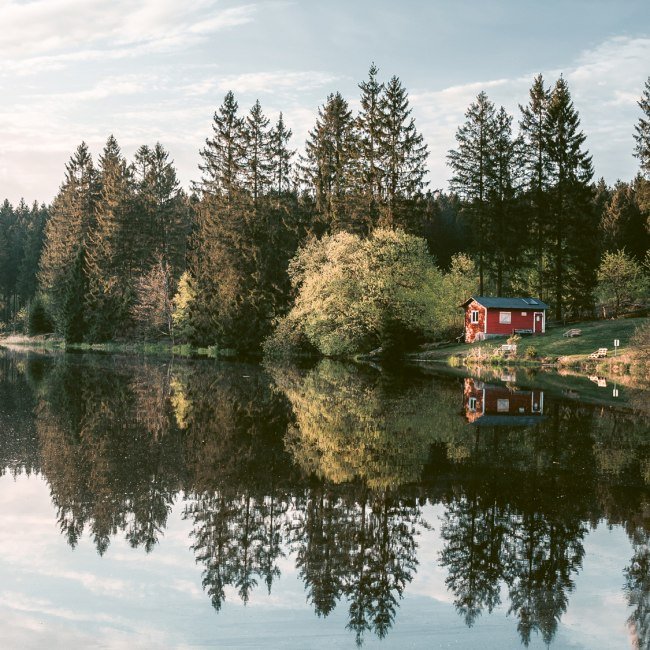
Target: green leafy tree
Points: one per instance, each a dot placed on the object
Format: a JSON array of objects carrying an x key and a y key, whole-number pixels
[
  {"x": 620, "y": 281},
  {"x": 353, "y": 295}
]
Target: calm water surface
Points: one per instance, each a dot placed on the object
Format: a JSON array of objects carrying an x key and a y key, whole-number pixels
[{"x": 193, "y": 504}]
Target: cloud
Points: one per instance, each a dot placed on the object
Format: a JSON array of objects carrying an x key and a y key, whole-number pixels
[
  {"x": 605, "y": 83},
  {"x": 64, "y": 29}
]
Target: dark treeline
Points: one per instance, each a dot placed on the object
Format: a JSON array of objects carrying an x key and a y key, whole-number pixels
[
  {"x": 127, "y": 252},
  {"x": 267, "y": 464}
]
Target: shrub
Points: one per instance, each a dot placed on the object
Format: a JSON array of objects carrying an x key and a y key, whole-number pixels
[
  {"x": 531, "y": 352},
  {"x": 354, "y": 295},
  {"x": 39, "y": 321}
]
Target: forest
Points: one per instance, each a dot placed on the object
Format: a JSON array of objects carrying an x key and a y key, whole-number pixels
[{"x": 267, "y": 240}]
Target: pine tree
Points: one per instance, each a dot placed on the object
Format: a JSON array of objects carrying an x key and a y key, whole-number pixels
[
  {"x": 112, "y": 258},
  {"x": 280, "y": 157},
  {"x": 223, "y": 158},
  {"x": 327, "y": 166},
  {"x": 537, "y": 168},
  {"x": 404, "y": 156},
  {"x": 504, "y": 234},
  {"x": 642, "y": 135},
  {"x": 61, "y": 274},
  {"x": 572, "y": 226},
  {"x": 371, "y": 157},
  {"x": 257, "y": 164},
  {"x": 472, "y": 165}
]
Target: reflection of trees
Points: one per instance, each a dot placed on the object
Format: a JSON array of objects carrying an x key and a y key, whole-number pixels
[
  {"x": 358, "y": 544},
  {"x": 18, "y": 436},
  {"x": 474, "y": 534},
  {"x": 237, "y": 466},
  {"x": 352, "y": 424},
  {"x": 108, "y": 468},
  {"x": 331, "y": 464},
  {"x": 637, "y": 588}
]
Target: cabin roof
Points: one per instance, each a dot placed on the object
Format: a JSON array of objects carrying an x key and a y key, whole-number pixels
[{"x": 533, "y": 304}]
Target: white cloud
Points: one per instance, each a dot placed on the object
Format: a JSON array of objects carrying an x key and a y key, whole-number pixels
[{"x": 60, "y": 26}]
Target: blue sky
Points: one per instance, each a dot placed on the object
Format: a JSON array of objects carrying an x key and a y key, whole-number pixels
[{"x": 157, "y": 69}]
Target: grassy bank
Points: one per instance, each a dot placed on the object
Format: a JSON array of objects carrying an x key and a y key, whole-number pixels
[
  {"x": 163, "y": 348},
  {"x": 550, "y": 348}
]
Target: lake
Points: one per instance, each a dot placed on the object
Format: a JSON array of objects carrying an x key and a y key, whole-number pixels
[{"x": 196, "y": 504}]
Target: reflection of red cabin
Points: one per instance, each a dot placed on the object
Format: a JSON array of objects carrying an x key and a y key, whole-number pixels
[
  {"x": 488, "y": 317},
  {"x": 494, "y": 404}
]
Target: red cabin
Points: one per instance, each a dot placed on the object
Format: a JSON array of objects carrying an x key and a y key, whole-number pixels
[{"x": 489, "y": 317}]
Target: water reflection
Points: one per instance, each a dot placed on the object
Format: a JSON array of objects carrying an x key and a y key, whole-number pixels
[{"x": 331, "y": 467}]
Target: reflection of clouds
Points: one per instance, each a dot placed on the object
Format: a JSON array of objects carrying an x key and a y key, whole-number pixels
[{"x": 23, "y": 603}]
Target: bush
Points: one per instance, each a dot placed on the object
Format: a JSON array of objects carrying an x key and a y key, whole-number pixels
[
  {"x": 39, "y": 321},
  {"x": 354, "y": 295},
  {"x": 531, "y": 352}
]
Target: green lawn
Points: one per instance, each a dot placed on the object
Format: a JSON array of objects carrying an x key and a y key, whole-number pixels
[{"x": 595, "y": 334}]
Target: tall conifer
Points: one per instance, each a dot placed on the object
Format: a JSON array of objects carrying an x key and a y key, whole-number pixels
[
  {"x": 404, "y": 155},
  {"x": 62, "y": 277},
  {"x": 642, "y": 135}
]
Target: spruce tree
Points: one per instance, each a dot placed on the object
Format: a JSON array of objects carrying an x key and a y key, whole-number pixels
[
  {"x": 327, "y": 166},
  {"x": 573, "y": 224},
  {"x": 62, "y": 273},
  {"x": 472, "y": 166},
  {"x": 257, "y": 164},
  {"x": 537, "y": 168},
  {"x": 370, "y": 168},
  {"x": 164, "y": 213},
  {"x": 112, "y": 257},
  {"x": 404, "y": 154},
  {"x": 503, "y": 229},
  {"x": 223, "y": 157},
  {"x": 642, "y": 135},
  {"x": 280, "y": 157}
]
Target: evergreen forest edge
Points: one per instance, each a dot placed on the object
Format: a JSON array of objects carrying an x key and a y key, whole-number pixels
[{"x": 339, "y": 250}]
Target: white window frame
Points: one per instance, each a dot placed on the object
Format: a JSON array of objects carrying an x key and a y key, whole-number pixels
[
  {"x": 503, "y": 406},
  {"x": 471, "y": 404},
  {"x": 474, "y": 316},
  {"x": 524, "y": 313},
  {"x": 503, "y": 315}
]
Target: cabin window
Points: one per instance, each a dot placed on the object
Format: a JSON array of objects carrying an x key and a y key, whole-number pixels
[
  {"x": 524, "y": 313},
  {"x": 503, "y": 405},
  {"x": 474, "y": 316},
  {"x": 472, "y": 404},
  {"x": 505, "y": 317}
]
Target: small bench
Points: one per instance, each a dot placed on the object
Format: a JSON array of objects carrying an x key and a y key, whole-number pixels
[
  {"x": 601, "y": 354},
  {"x": 507, "y": 348},
  {"x": 572, "y": 333}
]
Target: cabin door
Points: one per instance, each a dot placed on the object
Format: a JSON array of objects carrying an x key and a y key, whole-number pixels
[{"x": 538, "y": 322}]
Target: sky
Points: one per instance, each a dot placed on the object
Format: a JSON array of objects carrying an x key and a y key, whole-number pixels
[{"x": 156, "y": 70}]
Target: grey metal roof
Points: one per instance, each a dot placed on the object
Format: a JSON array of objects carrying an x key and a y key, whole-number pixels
[{"x": 532, "y": 304}]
